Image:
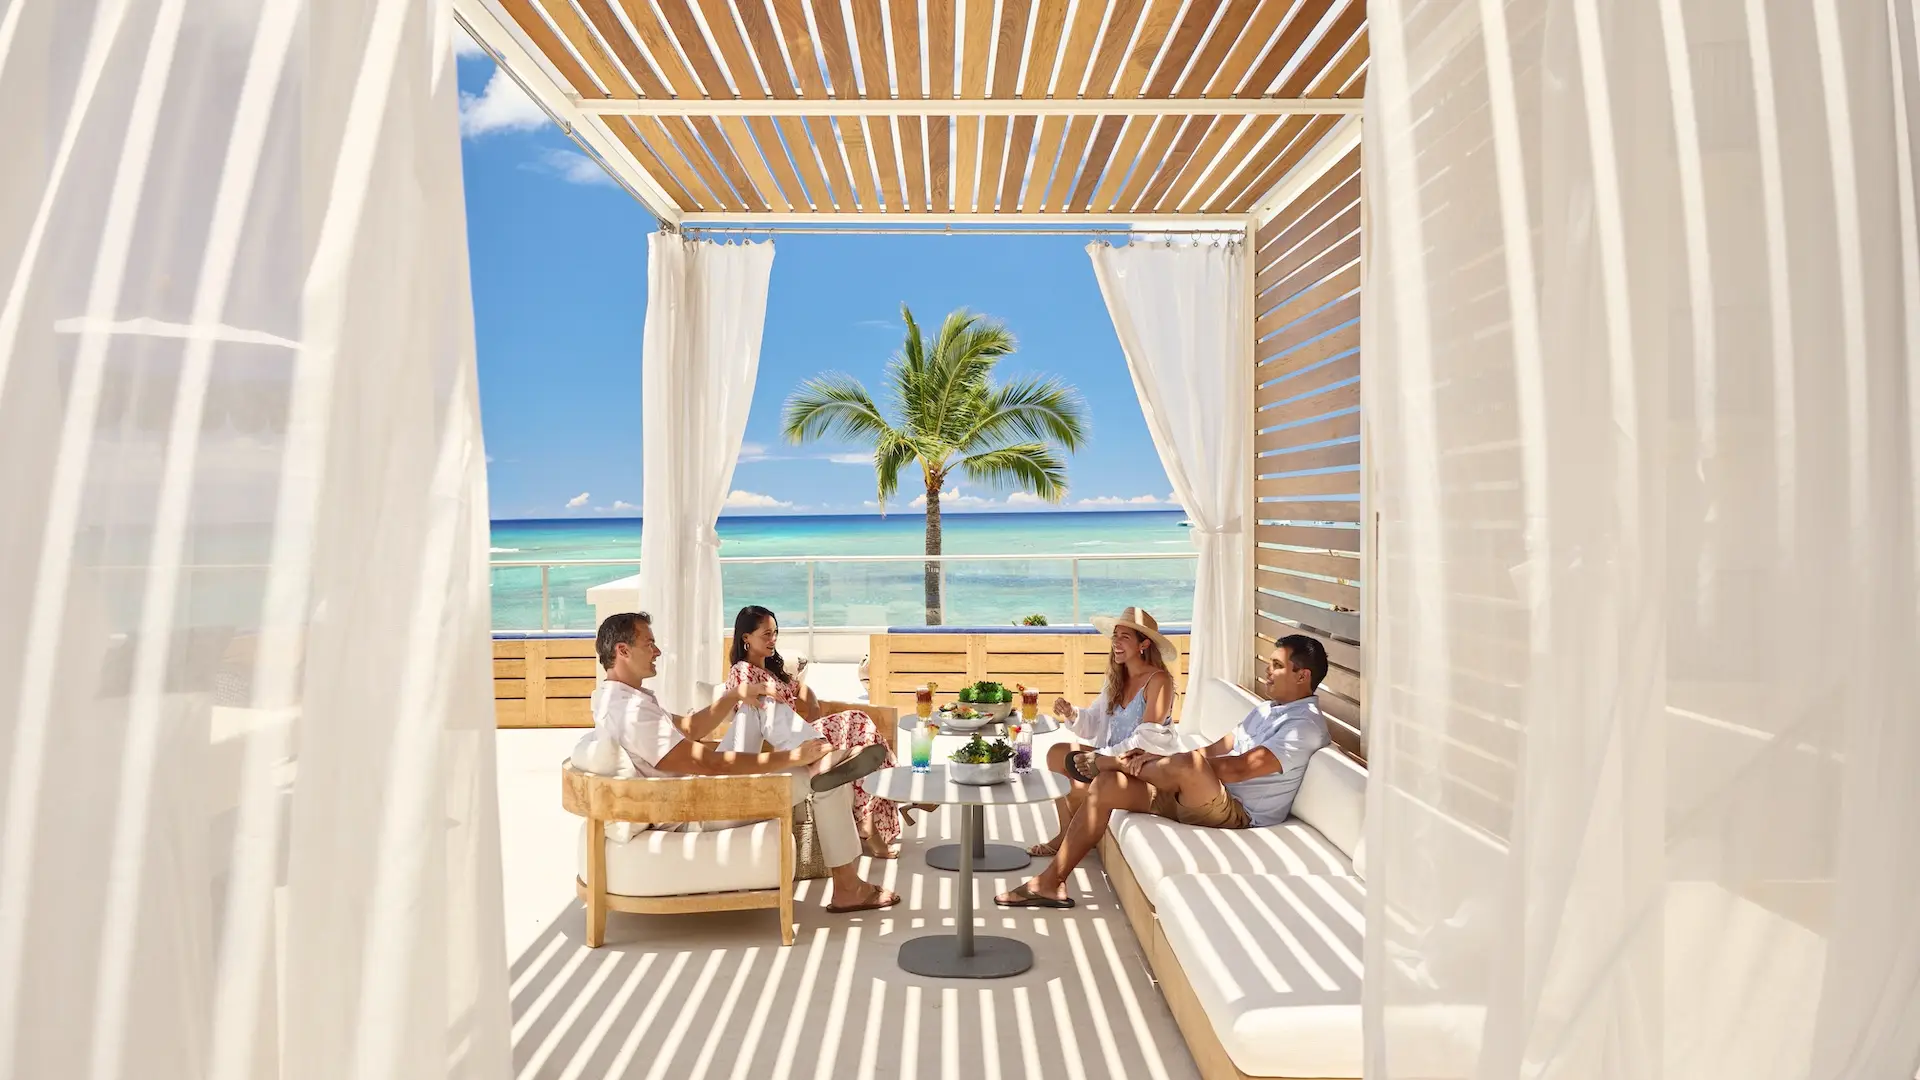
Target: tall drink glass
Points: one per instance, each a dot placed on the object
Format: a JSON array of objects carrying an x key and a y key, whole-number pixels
[
  {"x": 922, "y": 740},
  {"x": 1029, "y": 703}
]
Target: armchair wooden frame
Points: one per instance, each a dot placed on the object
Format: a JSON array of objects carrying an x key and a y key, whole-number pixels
[{"x": 601, "y": 799}]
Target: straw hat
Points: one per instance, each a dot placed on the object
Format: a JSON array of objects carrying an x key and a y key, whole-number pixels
[{"x": 1141, "y": 623}]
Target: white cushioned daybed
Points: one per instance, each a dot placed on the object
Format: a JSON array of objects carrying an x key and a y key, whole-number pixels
[{"x": 1255, "y": 934}]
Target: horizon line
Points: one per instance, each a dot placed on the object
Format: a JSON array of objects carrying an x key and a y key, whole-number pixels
[{"x": 1162, "y": 509}]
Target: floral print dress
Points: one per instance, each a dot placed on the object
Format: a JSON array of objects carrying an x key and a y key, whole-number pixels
[{"x": 848, "y": 730}]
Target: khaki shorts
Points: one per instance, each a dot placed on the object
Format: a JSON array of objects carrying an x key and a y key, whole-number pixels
[{"x": 1224, "y": 812}]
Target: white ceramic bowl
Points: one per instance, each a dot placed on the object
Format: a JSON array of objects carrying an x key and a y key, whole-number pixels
[
  {"x": 995, "y": 772},
  {"x": 949, "y": 719}
]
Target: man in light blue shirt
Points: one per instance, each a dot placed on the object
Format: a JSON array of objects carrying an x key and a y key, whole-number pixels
[{"x": 1245, "y": 780}]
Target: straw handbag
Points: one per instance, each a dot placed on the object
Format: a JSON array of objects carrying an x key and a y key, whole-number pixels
[{"x": 808, "y": 863}]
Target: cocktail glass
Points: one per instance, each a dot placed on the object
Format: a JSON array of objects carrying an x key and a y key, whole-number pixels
[
  {"x": 923, "y": 702},
  {"x": 1023, "y": 755},
  {"x": 922, "y": 740},
  {"x": 1029, "y": 704}
]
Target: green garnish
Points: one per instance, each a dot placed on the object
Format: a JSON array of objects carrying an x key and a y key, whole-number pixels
[{"x": 979, "y": 751}]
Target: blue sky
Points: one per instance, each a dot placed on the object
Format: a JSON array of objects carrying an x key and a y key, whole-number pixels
[{"x": 559, "y": 289}]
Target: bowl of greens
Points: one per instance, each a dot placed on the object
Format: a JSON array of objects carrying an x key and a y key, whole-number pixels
[
  {"x": 980, "y": 763},
  {"x": 989, "y": 699}
]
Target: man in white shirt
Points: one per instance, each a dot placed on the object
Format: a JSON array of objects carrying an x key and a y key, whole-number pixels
[
  {"x": 1245, "y": 780},
  {"x": 661, "y": 744}
]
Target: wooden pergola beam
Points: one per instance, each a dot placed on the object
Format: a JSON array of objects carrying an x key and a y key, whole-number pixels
[{"x": 1041, "y": 107}]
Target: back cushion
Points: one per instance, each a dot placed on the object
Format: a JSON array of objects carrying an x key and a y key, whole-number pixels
[
  {"x": 1224, "y": 709},
  {"x": 1333, "y": 798}
]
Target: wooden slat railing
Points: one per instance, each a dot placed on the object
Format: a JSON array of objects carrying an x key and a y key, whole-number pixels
[{"x": 1061, "y": 665}]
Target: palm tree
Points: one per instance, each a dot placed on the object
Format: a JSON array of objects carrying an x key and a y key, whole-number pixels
[{"x": 949, "y": 416}]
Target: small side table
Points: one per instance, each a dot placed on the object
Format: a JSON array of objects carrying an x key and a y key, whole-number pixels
[
  {"x": 964, "y": 955},
  {"x": 989, "y": 857}
]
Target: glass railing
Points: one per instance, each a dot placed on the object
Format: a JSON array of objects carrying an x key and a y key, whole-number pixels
[{"x": 867, "y": 590}]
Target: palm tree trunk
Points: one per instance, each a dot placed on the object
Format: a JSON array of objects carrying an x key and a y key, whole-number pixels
[{"x": 932, "y": 573}]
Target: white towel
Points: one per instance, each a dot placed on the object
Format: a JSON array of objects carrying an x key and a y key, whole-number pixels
[{"x": 1158, "y": 739}]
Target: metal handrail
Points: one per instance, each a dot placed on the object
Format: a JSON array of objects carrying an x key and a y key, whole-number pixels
[
  {"x": 811, "y": 561},
  {"x": 1091, "y": 557}
]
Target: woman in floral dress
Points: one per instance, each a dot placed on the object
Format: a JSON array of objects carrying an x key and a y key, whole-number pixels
[{"x": 756, "y": 659}]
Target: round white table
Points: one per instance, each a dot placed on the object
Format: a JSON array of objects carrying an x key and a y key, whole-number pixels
[
  {"x": 962, "y": 955},
  {"x": 989, "y": 857},
  {"x": 996, "y": 729}
]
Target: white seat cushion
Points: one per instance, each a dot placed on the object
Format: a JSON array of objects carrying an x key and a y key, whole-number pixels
[
  {"x": 661, "y": 863},
  {"x": 1333, "y": 798},
  {"x": 1276, "y": 964},
  {"x": 1157, "y": 848}
]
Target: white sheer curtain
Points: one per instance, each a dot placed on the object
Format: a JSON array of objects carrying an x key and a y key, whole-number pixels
[
  {"x": 247, "y": 746},
  {"x": 1643, "y": 333},
  {"x": 706, "y": 309},
  {"x": 1182, "y": 312}
]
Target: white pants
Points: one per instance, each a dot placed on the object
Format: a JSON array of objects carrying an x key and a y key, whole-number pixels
[{"x": 832, "y": 819}]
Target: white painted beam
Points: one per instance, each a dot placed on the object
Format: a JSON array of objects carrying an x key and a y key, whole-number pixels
[
  {"x": 966, "y": 107},
  {"x": 1007, "y": 221},
  {"x": 1333, "y": 146},
  {"x": 497, "y": 33}
]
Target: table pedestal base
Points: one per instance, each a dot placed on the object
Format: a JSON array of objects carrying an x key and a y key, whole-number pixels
[
  {"x": 990, "y": 857},
  {"x": 938, "y": 956}
]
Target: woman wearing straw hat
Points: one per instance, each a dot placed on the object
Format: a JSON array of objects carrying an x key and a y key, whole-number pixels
[{"x": 1139, "y": 690}]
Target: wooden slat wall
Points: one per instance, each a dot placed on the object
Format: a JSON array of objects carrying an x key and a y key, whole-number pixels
[
  {"x": 1073, "y": 666},
  {"x": 1307, "y": 433},
  {"x": 548, "y": 682}
]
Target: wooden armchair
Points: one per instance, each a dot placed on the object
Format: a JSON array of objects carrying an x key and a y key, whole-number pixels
[{"x": 601, "y": 799}]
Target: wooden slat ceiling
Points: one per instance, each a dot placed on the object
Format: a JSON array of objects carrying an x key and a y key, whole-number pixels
[{"x": 733, "y": 134}]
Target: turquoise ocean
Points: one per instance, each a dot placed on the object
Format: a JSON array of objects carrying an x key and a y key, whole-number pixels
[{"x": 979, "y": 592}]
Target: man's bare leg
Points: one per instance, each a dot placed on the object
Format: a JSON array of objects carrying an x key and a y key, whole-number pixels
[
  {"x": 1109, "y": 791},
  {"x": 1189, "y": 777},
  {"x": 851, "y": 891}
]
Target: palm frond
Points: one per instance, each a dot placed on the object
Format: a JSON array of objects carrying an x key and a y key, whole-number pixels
[
  {"x": 893, "y": 453},
  {"x": 833, "y": 405},
  {"x": 964, "y": 357},
  {"x": 1035, "y": 409},
  {"x": 1028, "y": 467}
]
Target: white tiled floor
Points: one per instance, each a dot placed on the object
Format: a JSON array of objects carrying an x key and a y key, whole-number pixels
[{"x": 694, "y": 996}]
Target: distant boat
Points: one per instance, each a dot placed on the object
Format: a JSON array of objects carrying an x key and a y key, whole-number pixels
[{"x": 1186, "y": 524}]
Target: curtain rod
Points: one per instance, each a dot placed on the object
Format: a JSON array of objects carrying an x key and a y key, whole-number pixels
[{"x": 929, "y": 230}]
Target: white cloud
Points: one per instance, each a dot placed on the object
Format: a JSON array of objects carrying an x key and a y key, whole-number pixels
[
  {"x": 1025, "y": 498},
  {"x": 464, "y": 46},
  {"x": 751, "y": 500},
  {"x": 578, "y": 501},
  {"x": 953, "y": 497},
  {"x": 501, "y": 106},
  {"x": 1115, "y": 500},
  {"x": 571, "y": 166},
  {"x": 753, "y": 451},
  {"x": 622, "y": 504},
  {"x": 852, "y": 457}
]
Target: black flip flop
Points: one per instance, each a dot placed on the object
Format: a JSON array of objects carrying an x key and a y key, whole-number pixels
[
  {"x": 876, "y": 904},
  {"x": 868, "y": 761},
  {"x": 1073, "y": 771},
  {"x": 1030, "y": 899}
]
